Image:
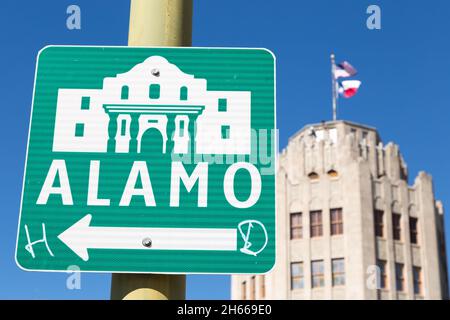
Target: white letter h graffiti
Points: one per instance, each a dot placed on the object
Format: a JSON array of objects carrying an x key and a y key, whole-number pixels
[{"x": 29, "y": 246}]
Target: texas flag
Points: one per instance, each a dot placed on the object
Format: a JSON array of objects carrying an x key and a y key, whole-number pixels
[{"x": 348, "y": 88}]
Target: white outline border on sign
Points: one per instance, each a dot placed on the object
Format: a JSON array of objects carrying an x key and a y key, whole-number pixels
[{"x": 151, "y": 47}]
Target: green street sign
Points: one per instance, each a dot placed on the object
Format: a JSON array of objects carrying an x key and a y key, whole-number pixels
[{"x": 156, "y": 160}]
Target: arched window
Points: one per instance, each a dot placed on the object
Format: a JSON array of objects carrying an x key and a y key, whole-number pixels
[
  {"x": 124, "y": 92},
  {"x": 183, "y": 93},
  {"x": 333, "y": 173},
  {"x": 313, "y": 176}
]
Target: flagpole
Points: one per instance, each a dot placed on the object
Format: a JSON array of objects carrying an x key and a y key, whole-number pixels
[{"x": 333, "y": 86}]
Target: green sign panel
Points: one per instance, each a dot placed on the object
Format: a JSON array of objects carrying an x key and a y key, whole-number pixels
[{"x": 150, "y": 160}]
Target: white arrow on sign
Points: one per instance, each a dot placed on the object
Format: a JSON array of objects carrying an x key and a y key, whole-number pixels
[{"x": 81, "y": 236}]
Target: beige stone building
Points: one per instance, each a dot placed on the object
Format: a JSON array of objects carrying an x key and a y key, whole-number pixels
[{"x": 348, "y": 224}]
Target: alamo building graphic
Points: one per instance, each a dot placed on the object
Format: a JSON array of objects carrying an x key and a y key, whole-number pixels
[{"x": 154, "y": 98}]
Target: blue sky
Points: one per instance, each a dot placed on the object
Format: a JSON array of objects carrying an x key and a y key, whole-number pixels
[{"x": 405, "y": 92}]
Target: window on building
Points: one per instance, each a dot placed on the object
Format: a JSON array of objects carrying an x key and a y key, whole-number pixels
[
  {"x": 79, "y": 130},
  {"x": 399, "y": 277},
  {"x": 413, "y": 233},
  {"x": 317, "y": 274},
  {"x": 364, "y": 135},
  {"x": 262, "y": 280},
  {"x": 124, "y": 92},
  {"x": 123, "y": 127},
  {"x": 85, "y": 103},
  {"x": 154, "y": 91},
  {"x": 244, "y": 290},
  {"x": 382, "y": 275},
  {"x": 379, "y": 223},
  {"x": 252, "y": 288},
  {"x": 225, "y": 132},
  {"x": 183, "y": 93},
  {"x": 296, "y": 225},
  {"x": 313, "y": 176},
  {"x": 337, "y": 222},
  {"x": 338, "y": 270},
  {"x": 316, "y": 223},
  {"x": 417, "y": 278},
  {"x": 222, "y": 105},
  {"x": 297, "y": 276},
  {"x": 396, "y": 226},
  {"x": 332, "y": 173}
]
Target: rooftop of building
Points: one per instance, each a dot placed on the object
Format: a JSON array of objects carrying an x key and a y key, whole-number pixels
[{"x": 332, "y": 124}]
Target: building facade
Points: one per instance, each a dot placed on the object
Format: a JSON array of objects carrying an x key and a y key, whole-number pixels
[{"x": 348, "y": 224}]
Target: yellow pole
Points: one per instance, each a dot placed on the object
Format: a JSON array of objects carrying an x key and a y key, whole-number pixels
[
  {"x": 155, "y": 23},
  {"x": 130, "y": 286},
  {"x": 160, "y": 23}
]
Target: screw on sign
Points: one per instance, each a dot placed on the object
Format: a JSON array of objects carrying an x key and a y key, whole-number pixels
[
  {"x": 147, "y": 242},
  {"x": 154, "y": 162}
]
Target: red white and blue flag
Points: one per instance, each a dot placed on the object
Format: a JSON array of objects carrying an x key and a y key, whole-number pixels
[{"x": 344, "y": 70}]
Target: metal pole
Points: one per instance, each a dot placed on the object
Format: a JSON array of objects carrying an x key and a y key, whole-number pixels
[
  {"x": 130, "y": 286},
  {"x": 160, "y": 23},
  {"x": 155, "y": 23},
  {"x": 333, "y": 87}
]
